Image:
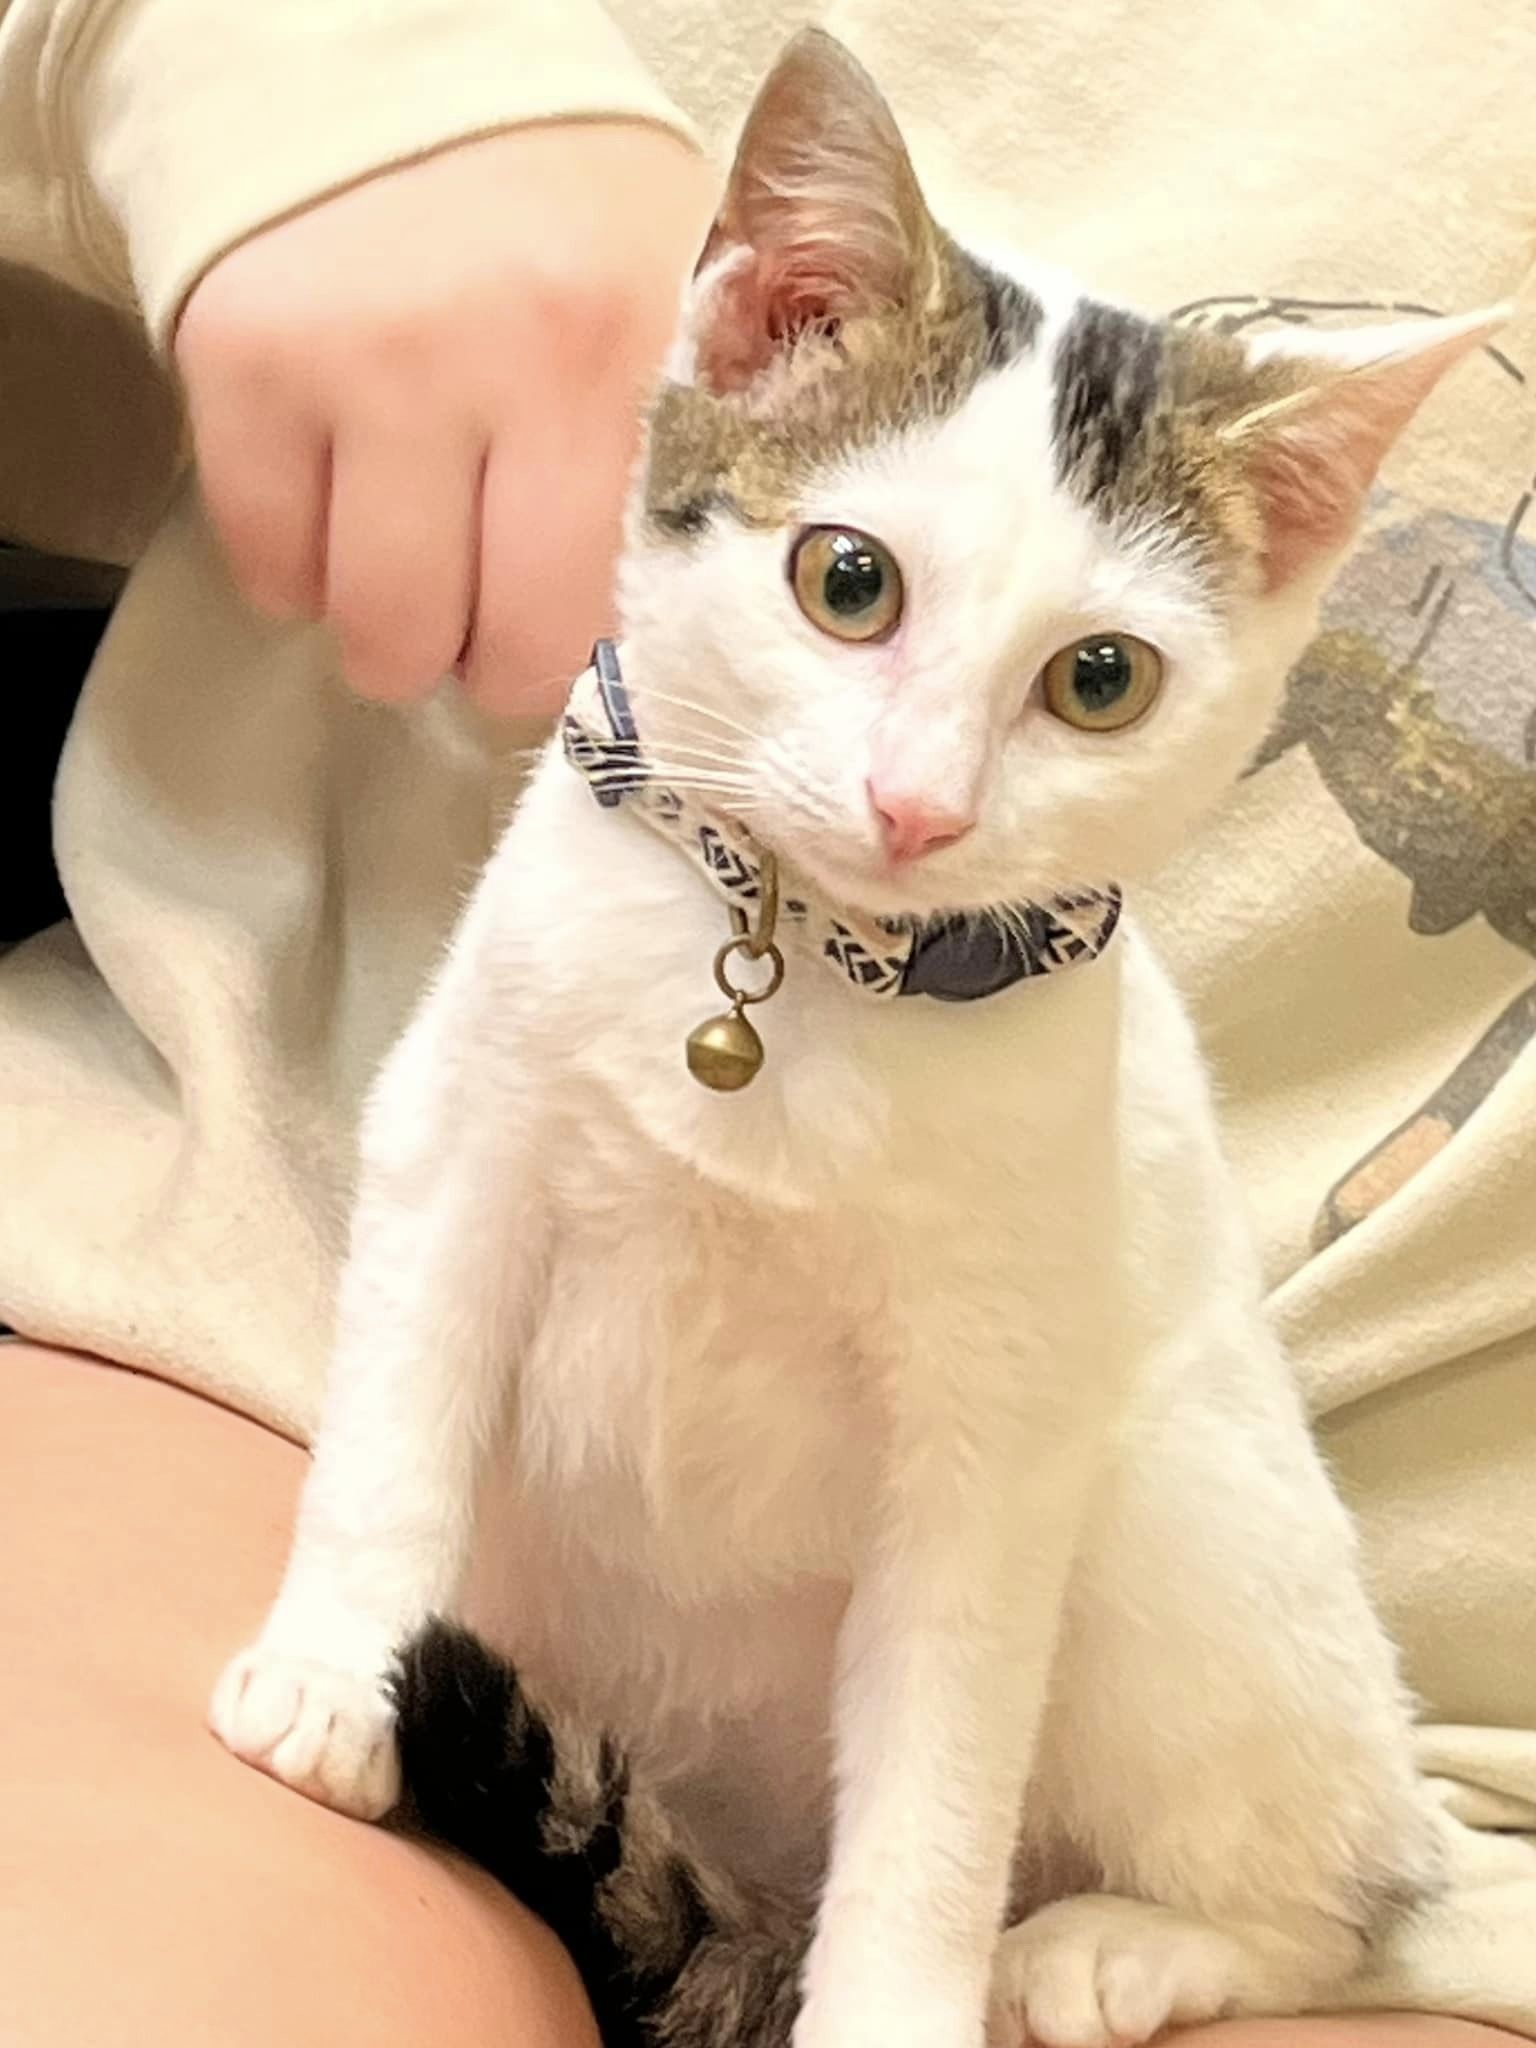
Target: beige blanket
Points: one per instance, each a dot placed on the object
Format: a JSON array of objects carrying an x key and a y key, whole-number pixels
[{"x": 260, "y": 868}]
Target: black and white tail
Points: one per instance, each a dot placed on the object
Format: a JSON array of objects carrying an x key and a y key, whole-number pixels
[{"x": 672, "y": 1955}]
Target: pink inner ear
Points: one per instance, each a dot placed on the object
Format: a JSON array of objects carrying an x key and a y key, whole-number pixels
[
  {"x": 733, "y": 343},
  {"x": 1311, "y": 490},
  {"x": 797, "y": 294},
  {"x": 1313, "y": 465},
  {"x": 762, "y": 304}
]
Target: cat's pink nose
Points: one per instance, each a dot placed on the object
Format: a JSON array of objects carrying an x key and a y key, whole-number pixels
[{"x": 913, "y": 826}]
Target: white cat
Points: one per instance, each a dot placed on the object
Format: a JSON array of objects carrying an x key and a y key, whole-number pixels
[{"x": 904, "y": 1466}]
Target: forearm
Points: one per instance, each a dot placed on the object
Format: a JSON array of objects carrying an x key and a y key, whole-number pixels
[{"x": 139, "y": 141}]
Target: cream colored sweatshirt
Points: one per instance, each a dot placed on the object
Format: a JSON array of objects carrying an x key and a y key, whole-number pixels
[{"x": 260, "y": 868}]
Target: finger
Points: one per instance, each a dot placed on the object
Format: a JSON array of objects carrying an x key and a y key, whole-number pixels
[
  {"x": 263, "y": 481},
  {"x": 401, "y": 558},
  {"x": 549, "y": 540}
]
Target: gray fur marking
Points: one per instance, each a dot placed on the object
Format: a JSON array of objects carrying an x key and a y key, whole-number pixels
[
  {"x": 710, "y": 454},
  {"x": 1108, "y": 368},
  {"x": 1011, "y": 315}
]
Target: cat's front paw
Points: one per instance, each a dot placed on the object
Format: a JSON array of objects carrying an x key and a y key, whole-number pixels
[
  {"x": 1099, "y": 1972},
  {"x": 893, "y": 2008},
  {"x": 327, "y": 1732}
]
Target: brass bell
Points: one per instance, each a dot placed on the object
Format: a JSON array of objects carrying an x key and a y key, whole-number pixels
[{"x": 724, "y": 1053}]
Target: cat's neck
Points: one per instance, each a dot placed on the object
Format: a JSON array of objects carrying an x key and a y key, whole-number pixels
[
  {"x": 959, "y": 958},
  {"x": 615, "y": 934}
]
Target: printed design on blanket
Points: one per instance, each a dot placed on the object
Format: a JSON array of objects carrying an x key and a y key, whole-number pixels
[{"x": 1417, "y": 705}]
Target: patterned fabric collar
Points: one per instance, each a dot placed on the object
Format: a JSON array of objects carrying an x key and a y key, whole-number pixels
[{"x": 953, "y": 959}]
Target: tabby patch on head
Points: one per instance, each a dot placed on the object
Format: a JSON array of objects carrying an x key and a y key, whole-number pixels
[
  {"x": 830, "y": 309},
  {"x": 847, "y": 387},
  {"x": 830, "y": 312},
  {"x": 1137, "y": 428}
]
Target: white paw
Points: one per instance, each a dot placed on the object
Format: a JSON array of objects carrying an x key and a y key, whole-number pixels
[
  {"x": 1099, "y": 1972},
  {"x": 880, "y": 2016},
  {"x": 327, "y": 1732}
]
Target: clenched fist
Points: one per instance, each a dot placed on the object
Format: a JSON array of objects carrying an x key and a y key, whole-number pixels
[{"x": 414, "y": 407}]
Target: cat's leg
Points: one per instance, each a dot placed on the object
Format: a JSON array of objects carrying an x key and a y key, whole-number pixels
[
  {"x": 445, "y": 1255},
  {"x": 943, "y": 1662},
  {"x": 1228, "y": 1743}
]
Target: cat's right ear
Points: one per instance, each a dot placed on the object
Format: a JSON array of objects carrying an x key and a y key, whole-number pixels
[
  {"x": 822, "y": 222},
  {"x": 1312, "y": 452}
]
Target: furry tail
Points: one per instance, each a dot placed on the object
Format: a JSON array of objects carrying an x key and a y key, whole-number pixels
[{"x": 672, "y": 1955}]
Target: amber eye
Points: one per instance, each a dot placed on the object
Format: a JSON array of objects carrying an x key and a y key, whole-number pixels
[
  {"x": 846, "y": 583},
  {"x": 1104, "y": 682}
]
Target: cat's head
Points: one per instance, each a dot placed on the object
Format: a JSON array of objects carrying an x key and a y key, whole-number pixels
[{"x": 956, "y": 585}]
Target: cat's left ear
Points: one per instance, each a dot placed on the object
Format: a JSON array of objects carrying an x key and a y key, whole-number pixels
[
  {"x": 822, "y": 223},
  {"x": 1311, "y": 454}
]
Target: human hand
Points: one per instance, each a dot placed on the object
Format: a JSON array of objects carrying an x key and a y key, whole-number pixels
[{"x": 415, "y": 406}]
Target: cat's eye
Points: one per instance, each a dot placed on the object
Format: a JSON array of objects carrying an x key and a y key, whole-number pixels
[
  {"x": 847, "y": 583},
  {"x": 1104, "y": 682}
]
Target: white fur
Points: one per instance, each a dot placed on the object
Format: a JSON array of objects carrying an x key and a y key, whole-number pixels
[{"x": 901, "y": 1457}]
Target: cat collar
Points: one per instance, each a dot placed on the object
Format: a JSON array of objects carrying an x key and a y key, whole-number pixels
[{"x": 953, "y": 959}]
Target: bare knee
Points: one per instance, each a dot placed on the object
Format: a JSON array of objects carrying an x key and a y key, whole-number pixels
[
  {"x": 172, "y": 1895},
  {"x": 1365, "y": 2030}
]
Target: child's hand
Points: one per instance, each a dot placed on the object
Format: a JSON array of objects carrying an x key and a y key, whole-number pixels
[{"x": 415, "y": 406}]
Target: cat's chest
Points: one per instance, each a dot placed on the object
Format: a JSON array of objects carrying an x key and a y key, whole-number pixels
[{"x": 696, "y": 1405}]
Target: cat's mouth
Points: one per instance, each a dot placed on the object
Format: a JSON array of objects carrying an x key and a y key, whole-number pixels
[
  {"x": 906, "y": 896},
  {"x": 965, "y": 882}
]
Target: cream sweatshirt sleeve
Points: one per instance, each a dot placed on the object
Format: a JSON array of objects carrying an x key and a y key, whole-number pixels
[{"x": 141, "y": 139}]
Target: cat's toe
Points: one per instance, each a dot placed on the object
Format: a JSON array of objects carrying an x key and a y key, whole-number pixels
[
  {"x": 1098, "y": 1972},
  {"x": 327, "y": 1732},
  {"x": 1045, "y": 1993}
]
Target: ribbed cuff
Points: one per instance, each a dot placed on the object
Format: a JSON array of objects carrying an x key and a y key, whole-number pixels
[{"x": 203, "y": 122}]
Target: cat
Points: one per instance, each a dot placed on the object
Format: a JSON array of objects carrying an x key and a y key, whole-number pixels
[{"x": 938, "y": 1616}]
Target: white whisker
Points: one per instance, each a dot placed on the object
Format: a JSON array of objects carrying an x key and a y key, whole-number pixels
[
  {"x": 728, "y": 759},
  {"x": 642, "y": 691},
  {"x": 665, "y": 764},
  {"x": 730, "y": 785}
]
